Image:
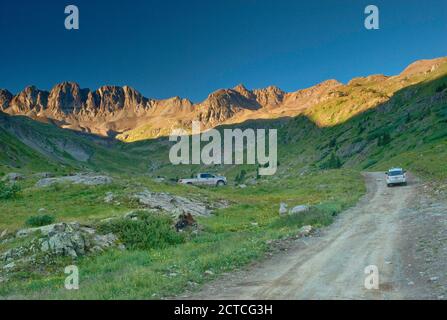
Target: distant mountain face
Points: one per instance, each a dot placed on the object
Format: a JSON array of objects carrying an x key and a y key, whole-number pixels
[{"x": 123, "y": 112}]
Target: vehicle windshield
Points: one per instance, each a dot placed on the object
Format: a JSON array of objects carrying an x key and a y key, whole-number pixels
[{"x": 395, "y": 173}]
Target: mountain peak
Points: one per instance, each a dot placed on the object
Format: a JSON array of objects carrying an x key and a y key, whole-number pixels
[
  {"x": 30, "y": 90},
  {"x": 66, "y": 98},
  {"x": 5, "y": 98},
  {"x": 423, "y": 66},
  {"x": 271, "y": 89},
  {"x": 330, "y": 83},
  {"x": 240, "y": 88}
]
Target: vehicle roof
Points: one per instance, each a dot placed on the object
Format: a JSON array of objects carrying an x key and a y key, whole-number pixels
[{"x": 396, "y": 169}]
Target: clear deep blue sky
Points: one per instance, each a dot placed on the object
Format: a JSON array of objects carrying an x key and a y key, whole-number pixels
[{"x": 190, "y": 48}]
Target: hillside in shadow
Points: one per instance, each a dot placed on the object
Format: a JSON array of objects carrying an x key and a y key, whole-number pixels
[{"x": 413, "y": 119}]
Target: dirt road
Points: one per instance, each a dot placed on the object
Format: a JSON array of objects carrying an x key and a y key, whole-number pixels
[{"x": 400, "y": 230}]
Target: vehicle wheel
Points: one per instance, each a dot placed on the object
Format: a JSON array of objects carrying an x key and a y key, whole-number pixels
[
  {"x": 389, "y": 185},
  {"x": 189, "y": 184},
  {"x": 220, "y": 183}
]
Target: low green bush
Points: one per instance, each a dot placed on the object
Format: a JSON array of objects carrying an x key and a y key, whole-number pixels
[
  {"x": 40, "y": 220},
  {"x": 369, "y": 163},
  {"x": 333, "y": 162},
  {"x": 316, "y": 217},
  {"x": 441, "y": 87},
  {"x": 148, "y": 232},
  {"x": 8, "y": 191}
]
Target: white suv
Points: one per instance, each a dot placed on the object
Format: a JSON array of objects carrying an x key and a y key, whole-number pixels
[{"x": 396, "y": 176}]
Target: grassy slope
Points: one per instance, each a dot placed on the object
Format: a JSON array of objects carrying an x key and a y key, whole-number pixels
[
  {"x": 414, "y": 118},
  {"x": 47, "y": 144},
  {"x": 232, "y": 238},
  {"x": 14, "y": 154}
]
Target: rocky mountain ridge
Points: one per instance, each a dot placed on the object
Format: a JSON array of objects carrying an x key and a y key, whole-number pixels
[{"x": 125, "y": 113}]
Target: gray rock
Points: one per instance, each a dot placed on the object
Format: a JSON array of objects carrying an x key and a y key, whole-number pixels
[
  {"x": 305, "y": 231},
  {"x": 70, "y": 244},
  {"x": 9, "y": 266},
  {"x": 45, "y": 230},
  {"x": 109, "y": 197},
  {"x": 131, "y": 215},
  {"x": 70, "y": 239},
  {"x": 282, "y": 208},
  {"x": 4, "y": 233},
  {"x": 434, "y": 279},
  {"x": 252, "y": 181},
  {"x": 76, "y": 179},
  {"x": 62, "y": 239},
  {"x": 299, "y": 209},
  {"x": 42, "y": 175},
  {"x": 171, "y": 203},
  {"x": 352, "y": 149},
  {"x": 13, "y": 176},
  {"x": 105, "y": 241}
]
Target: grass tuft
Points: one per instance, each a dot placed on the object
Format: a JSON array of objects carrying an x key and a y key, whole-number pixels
[{"x": 40, "y": 220}]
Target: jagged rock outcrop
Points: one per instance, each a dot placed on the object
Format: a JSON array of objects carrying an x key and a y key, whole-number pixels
[
  {"x": 30, "y": 100},
  {"x": 270, "y": 96},
  {"x": 5, "y": 99},
  {"x": 124, "y": 113},
  {"x": 225, "y": 103},
  {"x": 66, "y": 98},
  {"x": 113, "y": 110}
]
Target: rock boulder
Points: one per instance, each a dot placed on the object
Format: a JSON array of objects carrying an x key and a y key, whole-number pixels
[
  {"x": 76, "y": 179},
  {"x": 299, "y": 209},
  {"x": 171, "y": 203}
]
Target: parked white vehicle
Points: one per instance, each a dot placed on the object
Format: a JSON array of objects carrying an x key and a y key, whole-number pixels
[
  {"x": 205, "y": 179},
  {"x": 396, "y": 176}
]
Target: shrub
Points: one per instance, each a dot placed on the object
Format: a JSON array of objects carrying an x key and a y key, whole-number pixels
[
  {"x": 148, "y": 232},
  {"x": 333, "y": 162},
  {"x": 316, "y": 217},
  {"x": 384, "y": 140},
  {"x": 8, "y": 191},
  {"x": 370, "y": 163},
  {"x": 240, "y": 177},
  {"x": 39, "y": 221},
  {"x": 333, "y": 143},
  {"x": 441, "y": 87}
]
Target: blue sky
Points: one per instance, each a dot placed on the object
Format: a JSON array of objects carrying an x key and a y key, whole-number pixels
[{"x": 191, "y": 48}]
